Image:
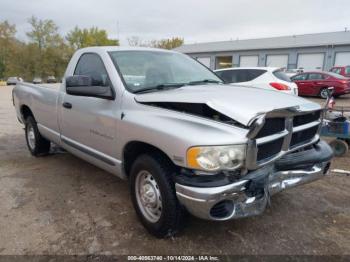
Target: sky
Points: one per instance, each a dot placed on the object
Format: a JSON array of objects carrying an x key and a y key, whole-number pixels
[{"x": 194, "y": 20}]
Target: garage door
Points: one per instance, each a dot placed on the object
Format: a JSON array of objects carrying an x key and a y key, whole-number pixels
[
  {"x": 311, "y": 61},
  {"x": 342, "y": 59},
  {"x": 280, "y": 61},
  {"x": 205, "y": 61},
  {"x": 248, "y": 60}
]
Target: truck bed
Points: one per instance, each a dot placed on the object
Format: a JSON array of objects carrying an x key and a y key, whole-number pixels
[{"x": 42, "y": 100}]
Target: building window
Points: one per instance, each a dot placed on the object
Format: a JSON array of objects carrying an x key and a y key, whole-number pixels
[{"x": 223, "y": 62}]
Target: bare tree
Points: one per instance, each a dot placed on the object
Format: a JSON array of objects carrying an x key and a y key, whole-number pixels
[{"x": 135, "y": 41}]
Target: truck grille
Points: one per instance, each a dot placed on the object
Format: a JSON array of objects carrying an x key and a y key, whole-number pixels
[
  {"x": 307, "y": 118},
  {"x": 281, "y": 134},
  {"x": 272, "y": 126},
  {"x": 270, "y": 149},
  {"x": 304, "y": 136}
]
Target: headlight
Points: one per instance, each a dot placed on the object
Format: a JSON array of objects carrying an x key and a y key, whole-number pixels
[{"x": 213, "y": 158}]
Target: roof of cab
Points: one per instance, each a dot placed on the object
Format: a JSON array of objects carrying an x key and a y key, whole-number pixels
[{"x": 122, "y": 48}]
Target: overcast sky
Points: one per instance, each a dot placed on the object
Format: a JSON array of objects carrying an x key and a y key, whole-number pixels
[{"x": 194, "y": 20}]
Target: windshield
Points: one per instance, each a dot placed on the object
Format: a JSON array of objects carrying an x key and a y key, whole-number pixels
[{"x": 145, "y": 70}]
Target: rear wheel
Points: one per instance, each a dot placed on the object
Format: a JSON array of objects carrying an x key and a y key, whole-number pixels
[
  {"x": 153, "y": 195},
  {"x": 324, "y": 93},
  {"x": 37, "y": 144}
]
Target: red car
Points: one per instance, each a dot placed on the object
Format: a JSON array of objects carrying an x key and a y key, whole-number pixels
[
  {"x": 316, "y": 84},
  {"x": 341, "y": 70}
]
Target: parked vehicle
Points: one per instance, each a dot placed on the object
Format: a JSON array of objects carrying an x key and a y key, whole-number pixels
[
  {"x": 316, "y": 84},
  {"x": 51, "y": 79},
  {"x": 293, "y": 72},
  {"x": 341, "y": 70},
  {"x": 270, "y": 78},
  {"x": 183, "y": 139},
  {"x": 13, "y": 80},
  {"x": 37, "y": 80}
]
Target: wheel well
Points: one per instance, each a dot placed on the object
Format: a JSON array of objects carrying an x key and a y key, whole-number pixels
[
  {"x": 136, "y": 148},
  {"x": 25, "y": 111}
]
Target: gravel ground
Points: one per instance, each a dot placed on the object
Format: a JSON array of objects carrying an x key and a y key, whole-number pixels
[{"x": 59, "y": 204}]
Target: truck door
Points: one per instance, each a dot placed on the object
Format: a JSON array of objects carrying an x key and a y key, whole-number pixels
[{"x": 88, "y": 124}]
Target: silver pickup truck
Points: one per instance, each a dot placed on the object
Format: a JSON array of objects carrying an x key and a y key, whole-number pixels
[{"x": 184, "y": 140}]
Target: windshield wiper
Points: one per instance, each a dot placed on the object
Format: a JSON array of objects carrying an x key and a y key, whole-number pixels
[
  {"x": 167, "y": 86},
  {"x": 160, "y": 87},
  {"x": 204, "y": 81}
]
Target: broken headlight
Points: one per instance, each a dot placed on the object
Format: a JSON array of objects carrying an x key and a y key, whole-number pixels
[{"x": 214, "y": 158}]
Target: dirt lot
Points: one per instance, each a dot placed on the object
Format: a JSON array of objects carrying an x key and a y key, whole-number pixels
[{"x": 59, "y": 204}]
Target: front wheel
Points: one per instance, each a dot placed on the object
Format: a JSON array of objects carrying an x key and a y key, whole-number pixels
[
  {"x": 37, "y": 144},
  {"x": 153, "y": 195}
]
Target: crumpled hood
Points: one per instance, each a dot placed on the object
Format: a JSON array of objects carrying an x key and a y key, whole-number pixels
[{"x": 242, "y": 104}]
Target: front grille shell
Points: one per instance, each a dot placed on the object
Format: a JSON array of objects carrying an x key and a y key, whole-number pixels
[{"x": 300, "y": 129}]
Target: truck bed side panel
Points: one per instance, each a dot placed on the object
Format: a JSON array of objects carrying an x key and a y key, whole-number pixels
[{"x": 42, "y": 100}]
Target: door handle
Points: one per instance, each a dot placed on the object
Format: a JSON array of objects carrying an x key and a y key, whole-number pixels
[{"x": 67, "y": 105}]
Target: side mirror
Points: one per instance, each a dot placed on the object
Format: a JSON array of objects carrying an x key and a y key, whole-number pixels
[
  {"x": 81, "y": 85},
  {"x": 78, "y": 80}
]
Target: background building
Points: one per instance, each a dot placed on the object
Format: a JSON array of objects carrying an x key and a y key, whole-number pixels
[{"x": 310, "y": 51}]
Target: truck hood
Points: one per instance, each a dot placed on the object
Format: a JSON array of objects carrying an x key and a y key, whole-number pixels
[{"x": 241, "y": 104}]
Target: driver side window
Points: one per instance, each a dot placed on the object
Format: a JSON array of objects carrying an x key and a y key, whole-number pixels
[{"x": 91, "y": 65}]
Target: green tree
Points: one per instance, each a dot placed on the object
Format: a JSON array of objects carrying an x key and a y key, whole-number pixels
[
  {"x": 7, "y": 31},
  {"x": 79, "y": 38},
  {"x": 44, "y": 33},
  {"x": 7, "y": 45},
  {"x": 48, "y": 51}
]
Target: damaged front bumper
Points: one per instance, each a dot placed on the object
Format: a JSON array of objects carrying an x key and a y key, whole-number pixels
[{"x": 250, "y": 195}]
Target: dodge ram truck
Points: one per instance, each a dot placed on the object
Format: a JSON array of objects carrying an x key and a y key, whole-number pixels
[{"x": 185, "y": 141}]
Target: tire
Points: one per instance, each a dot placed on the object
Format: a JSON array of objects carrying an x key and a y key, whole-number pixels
[
  {"x": 324, "y": 93},
  {"x": 37, "y": 144},
  {"x": 152, "y": 173},
  {"x": 340, "y": 147}
]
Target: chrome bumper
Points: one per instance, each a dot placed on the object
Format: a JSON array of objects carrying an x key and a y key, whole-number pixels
[{"x": 236, "y": 201}]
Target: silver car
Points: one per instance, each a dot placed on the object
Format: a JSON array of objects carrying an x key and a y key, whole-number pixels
[
  {"x": 37, "y": 80},
  {"x": 13, "y": 80}
]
